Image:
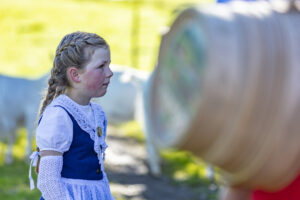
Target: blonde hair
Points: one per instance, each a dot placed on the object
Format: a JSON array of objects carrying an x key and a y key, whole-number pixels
[{"x": 75, "y": 49}]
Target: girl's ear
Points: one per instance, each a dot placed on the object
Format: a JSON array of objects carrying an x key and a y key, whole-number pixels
[{"x": 73, "y": 74}]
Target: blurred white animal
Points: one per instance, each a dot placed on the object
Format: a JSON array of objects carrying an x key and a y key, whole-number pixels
[
  {"x": 125, "y": 100},
  {"x": 153, "y": 155},
  {"x": 20, "y": 99},
  {"x": 19, "y": 104},
  {"x": 120, "y": 103}
]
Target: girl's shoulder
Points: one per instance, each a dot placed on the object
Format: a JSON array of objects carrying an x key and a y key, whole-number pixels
[
  {"x": 55, "y": 113},
  {"x": 55, "y": 130}
]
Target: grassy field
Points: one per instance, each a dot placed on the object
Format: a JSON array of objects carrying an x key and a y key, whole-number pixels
[
  {"x": 31, "y": 30},
  {"x": 14, "y": 182}
]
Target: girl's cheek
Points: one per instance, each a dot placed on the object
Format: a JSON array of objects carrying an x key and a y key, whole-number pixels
[
  {"x": 94, "y": 81},
  {"x": 91, "y": 86}
]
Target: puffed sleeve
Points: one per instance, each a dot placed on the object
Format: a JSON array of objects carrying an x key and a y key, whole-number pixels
[{"x": 55, "y": 130}]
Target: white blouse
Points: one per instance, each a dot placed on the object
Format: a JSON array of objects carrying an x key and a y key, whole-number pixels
[{"x": 55, "y": 132}]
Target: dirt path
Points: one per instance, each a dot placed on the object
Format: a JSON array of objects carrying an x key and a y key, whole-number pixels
[{"x": 129, "y": 176}]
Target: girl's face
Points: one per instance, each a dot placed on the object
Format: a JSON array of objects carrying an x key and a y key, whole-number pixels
[{"x": 95, "y": 76}]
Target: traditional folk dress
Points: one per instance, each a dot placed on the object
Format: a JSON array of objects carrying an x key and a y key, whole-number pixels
[{"x": 78, "y": 132}]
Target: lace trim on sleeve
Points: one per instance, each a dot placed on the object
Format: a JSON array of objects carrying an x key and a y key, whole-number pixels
[{"x": 49, "y": 178}]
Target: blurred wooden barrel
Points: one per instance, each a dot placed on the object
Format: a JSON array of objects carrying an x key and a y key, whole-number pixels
[{"x": 227, "y": 88}]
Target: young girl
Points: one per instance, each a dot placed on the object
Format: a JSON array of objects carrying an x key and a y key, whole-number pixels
[{"x": 71, "y": 131}]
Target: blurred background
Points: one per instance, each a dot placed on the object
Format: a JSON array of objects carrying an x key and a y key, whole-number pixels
[{"x": 30, "y": 30}]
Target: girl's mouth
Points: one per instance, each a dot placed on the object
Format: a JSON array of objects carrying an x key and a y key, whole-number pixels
[{"x": 106, "y": 84}]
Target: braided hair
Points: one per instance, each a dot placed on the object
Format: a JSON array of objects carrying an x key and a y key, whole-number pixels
[{"x": 71, "y": 51}]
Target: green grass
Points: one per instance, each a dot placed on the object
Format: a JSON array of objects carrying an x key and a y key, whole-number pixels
[
  {"x": 31, "y": 30},
  {"x": 14, "y": 183},
  {"x": 133, "y": 129},
  {"x": 184, "y": 167}
]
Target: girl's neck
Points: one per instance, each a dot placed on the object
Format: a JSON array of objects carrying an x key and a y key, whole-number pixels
[{"x": 77, "y": 98}]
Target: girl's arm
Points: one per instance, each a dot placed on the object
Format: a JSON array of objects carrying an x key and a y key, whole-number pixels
[
  {"x": 54, "y": 136},
  {"x": 49, "y": 177}
]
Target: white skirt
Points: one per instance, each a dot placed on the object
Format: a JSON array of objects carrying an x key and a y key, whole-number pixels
[{"x": 78, "y": 189}]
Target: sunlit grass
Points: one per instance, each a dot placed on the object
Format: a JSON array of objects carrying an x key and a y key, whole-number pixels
[
  {"x": 18, "y": 149},
  {"x": 31, "y": 30},
  {"x": 14, "y": 183},
  {"x": 134, "y": 130},
  {"x": 184, "y": 167}
]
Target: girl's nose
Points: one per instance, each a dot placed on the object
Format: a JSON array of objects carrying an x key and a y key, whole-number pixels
[{"x": 109, "y": 73}]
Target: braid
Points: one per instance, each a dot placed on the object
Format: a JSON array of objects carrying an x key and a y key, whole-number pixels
[
  {"x": 52, "y": 84},
  {"x": 71, "y": 51}
]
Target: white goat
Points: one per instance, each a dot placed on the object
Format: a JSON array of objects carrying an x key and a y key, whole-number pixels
[
  {"x": 20, "y": 99},
  {"x": 19, "y": 104}
]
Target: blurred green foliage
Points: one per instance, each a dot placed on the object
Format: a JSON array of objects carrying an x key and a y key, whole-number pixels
[
  {"x": 14, "y": 183},
  {"x": 31, "y": 30},
  {"x": 133, "y": 129},
  {"x": 184, "y": 167}
]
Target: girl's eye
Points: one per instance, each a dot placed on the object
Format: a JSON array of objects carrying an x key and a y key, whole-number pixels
[{"x": 101, "y": 66}]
